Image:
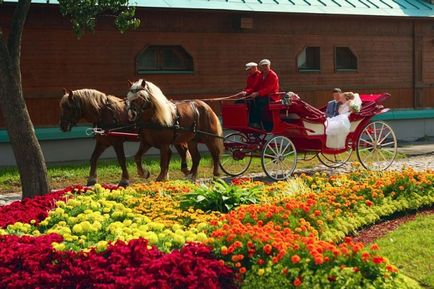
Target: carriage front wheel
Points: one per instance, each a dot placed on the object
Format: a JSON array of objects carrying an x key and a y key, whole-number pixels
[
  {"x": 237, "y": 156},
  {"x": 279, "y": 158},
  {"x": 377, "y": 146}
]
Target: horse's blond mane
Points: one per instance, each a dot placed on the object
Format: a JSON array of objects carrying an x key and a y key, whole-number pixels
[
  {"x": 94, "y": 100},
  {"x": 165, "y": 110}
]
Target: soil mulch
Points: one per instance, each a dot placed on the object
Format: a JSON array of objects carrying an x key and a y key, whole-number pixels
[{"x": 377, "y": 231}]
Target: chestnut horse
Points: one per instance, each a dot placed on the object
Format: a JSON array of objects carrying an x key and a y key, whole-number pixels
[
  {"x": 106, "y": 112},
  {"x": 162, "y": 123}
]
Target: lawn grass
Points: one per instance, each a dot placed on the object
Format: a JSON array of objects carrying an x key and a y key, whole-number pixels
[
  {"x": 75, "y": 173},
  {"x": 411, "y": 249}
]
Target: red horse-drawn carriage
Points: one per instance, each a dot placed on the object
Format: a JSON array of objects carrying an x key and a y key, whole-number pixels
[{"x": 299, "y": 129}]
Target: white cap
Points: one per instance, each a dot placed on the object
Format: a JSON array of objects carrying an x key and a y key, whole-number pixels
[
  {"x": 265, "y": 62},
  {"x": 250, "y": 65}
]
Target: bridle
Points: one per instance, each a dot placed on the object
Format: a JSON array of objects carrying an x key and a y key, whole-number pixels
[{"x": 75, "y": 115}]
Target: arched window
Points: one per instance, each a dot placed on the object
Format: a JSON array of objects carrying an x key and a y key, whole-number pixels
[
  {"x": 309, "y": 59},
  {"x": 345, "y": 59},
  {"x": 164, "y": 59}
]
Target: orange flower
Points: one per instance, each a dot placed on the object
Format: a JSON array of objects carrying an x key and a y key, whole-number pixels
[
  {"x": 267, "y": 249},
  {"x": 374, "y": 247},
  {"x": 295, "y": 259},
  {"x": 243, "y": 270},
  {"x": 365, "y": 256},
  {"x": 391, "y": 268}
]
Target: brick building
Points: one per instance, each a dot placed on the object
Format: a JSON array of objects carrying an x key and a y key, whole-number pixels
[{"x": 197, "y": 49}]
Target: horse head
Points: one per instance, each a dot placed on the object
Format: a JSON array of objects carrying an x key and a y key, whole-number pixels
[
  {"x": 146, "y": 99},
  {"x": 137, "y": 99},
  {"x": 70, "y": 110}
]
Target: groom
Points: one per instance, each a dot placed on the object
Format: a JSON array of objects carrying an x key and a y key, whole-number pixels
[{"x": 333, "y": 105}]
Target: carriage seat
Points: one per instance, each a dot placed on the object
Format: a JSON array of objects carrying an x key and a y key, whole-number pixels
[
  {"x": 306, "y": 111},
  {"x": 371, "y": 105}
]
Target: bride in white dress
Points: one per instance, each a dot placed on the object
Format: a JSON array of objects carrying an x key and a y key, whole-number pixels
[{"x": 338, "y": 127}]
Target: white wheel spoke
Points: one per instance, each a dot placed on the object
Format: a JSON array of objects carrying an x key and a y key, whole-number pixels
[
  {"x": 382, "y": 155},
  {"x": 375, "y": 131},
  {"x": 384, "y": 138},
  {"x": 271, "y": 148},
  {"x": 365, "y": 149},
  {"x": 281, "y": 146},
  {"x": 363, "y": 140},
  {"x": 287, "y": 154},
  {"x": 284, "y": 150},
  {"x": 370, "y": 136},
  {"x": 381, "y": 131},
  {"x": 389, "y": 143},
  {"x": 270, "y": 156}
]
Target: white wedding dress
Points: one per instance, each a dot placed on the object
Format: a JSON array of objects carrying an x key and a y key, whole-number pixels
[{"x": 338, "y": 127}]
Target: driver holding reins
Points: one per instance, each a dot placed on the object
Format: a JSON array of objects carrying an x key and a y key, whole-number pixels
[{"x": 267, "y": 88}]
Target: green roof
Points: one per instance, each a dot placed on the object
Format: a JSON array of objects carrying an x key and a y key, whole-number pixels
[{"x": 411, "y": 8}]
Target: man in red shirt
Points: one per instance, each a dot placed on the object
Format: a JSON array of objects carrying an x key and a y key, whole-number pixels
[
  {"x": 253, "y": 79},
  {"x": 267, "y": 87}
]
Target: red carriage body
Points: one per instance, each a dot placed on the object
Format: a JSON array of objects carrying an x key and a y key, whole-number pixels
[{"x": 301, "y": 127}]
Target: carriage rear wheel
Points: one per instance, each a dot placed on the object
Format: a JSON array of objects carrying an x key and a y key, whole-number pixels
[
  {"x": 377, "y": 146},
  {"x": 279, "y": 158},
  {"x": 237, "y": 157},
  {"x": 335, "y": 160}
]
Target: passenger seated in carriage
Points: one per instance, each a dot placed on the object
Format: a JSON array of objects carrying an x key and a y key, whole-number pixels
[
  {"x": 333, "y": 105},
  {"x": 267, "y": 88},
  {"x": 338, "y": 127}
]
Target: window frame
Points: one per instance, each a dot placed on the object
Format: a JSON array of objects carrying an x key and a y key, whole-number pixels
[
  {"x": 344, "y": 70},
  {"x": 308, "y": 70},
  {"x": 159, "y": 48}
]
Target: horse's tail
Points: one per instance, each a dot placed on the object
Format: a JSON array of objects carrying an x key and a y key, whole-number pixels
[
  {"x": 214, "y": 126},
  {"x": 220, "y": 134}
]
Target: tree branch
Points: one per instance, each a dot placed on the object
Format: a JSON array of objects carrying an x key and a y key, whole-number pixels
[{"x": 16, "y": 31}]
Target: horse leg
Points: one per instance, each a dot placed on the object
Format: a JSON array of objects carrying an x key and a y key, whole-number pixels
[
  {"x": 215, "y": 151},
  {"x": 143, "y": 148},
  {"x": 120, "y": 154},
  {"x": 195, "y": 158},
  {"x": 97, "y": 151},
  {"x": 165, "y": 154},
  {"x": 182, "y": 151}
]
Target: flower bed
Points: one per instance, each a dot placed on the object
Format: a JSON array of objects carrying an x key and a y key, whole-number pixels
[{"x": 285, "y": 234}]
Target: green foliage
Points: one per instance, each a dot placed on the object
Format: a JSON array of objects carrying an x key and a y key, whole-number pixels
[
  {"x": 84, "y": 13},
  {"x": 220, "y": 196},
  {"x": 278, "y": 276}
]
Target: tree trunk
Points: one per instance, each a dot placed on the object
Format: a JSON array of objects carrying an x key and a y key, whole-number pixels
[{"x": 27, "y": 151}]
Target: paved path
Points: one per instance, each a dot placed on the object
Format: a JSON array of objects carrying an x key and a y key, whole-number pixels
[{"x": 420, "y": 157}]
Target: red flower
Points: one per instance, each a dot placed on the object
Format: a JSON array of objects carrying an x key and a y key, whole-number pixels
[{"x": 297, "y": 282}]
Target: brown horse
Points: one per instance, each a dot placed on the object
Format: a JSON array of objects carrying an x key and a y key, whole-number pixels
[
  {"x": 106, "y": 112},
  {"x": 162, "y": 123}
]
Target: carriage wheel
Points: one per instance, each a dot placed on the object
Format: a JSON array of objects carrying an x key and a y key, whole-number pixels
[
  {"x": 377, "y": 146},
  {"x": 236, "y": 158},
  {"x": 335, "y": 160},
  {"x": 279, "y": 158}
]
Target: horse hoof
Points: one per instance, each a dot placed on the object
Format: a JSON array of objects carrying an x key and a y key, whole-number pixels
[
  {"x": 144, "y": 175},
  {"x": 147, "y": 175},
  {"x": 185, "y": 171},
  {"x": 91, "y": 181},
  {"x": 191, "y": 177},
  {"x": 124, "y": 183},
  {"x": 161, "y": 179}
]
